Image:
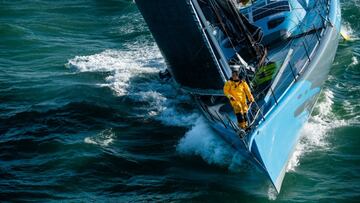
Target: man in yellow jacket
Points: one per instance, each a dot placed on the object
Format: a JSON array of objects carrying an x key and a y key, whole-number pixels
[{"x": 238, "y": 92}]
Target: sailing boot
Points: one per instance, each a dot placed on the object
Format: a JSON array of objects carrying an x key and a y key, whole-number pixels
[{"x": 242, "y": 125}]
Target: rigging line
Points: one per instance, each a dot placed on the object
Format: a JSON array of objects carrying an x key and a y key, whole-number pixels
[
  {"x": 241, "y": 25},
  {"x": 276, "y": 9},
  {"x": 290, "y": 42},
  {"x": 221, "y": 22}
]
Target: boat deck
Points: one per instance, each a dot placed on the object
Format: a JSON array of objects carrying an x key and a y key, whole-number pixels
[{"x": 291, "y": 58}]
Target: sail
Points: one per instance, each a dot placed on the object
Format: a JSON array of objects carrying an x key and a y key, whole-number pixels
[{"x": 183, "y": 43}]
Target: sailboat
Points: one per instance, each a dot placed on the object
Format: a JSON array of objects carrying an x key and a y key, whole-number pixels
[{"x": 285, "y": 49}]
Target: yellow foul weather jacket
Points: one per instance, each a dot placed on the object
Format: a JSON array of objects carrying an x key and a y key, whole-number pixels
[{"x": 238, "y": 92}]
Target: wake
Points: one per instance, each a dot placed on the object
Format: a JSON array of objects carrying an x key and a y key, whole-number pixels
[{"x": 134, "y": 74}]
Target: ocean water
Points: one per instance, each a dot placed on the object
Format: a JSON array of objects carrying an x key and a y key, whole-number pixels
[{"x": 84, "y": 117}]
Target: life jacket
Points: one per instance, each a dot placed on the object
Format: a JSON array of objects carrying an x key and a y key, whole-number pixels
[{"x": 264, "y": 76}]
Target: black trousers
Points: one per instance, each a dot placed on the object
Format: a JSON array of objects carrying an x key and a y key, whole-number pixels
[{"x": 241, "y": 117}]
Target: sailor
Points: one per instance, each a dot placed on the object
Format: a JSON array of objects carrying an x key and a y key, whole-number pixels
[{"x": 238, "y": 92}]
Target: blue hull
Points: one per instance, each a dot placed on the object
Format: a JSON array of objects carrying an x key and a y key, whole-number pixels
[
  {"x": 273, "y": 142},
  {"x": 275, "y": 139}
]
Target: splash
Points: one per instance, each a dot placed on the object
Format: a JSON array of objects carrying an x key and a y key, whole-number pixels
[
  {"x": 314, "y": 133},
  {"x": 134, "y": 74},
  {"x": 271, "y": 193},
  {"x": 354, "y": 61},
  {"x": 202, "y": 141},
  {"x": 102, "y": 139}
]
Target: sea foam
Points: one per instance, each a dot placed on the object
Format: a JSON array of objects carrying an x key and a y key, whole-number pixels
[
  {"x": 202, "y": 141},
  {"x": 314, "y": 132},
  {"x": 134, "y": 74},
  {"x": 103, "y": 139},
  {"x": 163, "y": 101}
]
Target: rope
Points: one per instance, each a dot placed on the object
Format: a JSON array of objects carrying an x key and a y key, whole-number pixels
[{"x": 215, "y": 7}]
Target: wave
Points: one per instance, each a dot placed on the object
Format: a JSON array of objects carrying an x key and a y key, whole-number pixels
[
  {"x": 314, "y": 133},
  {"x": 202, "y": 141},
  {"x": 103, "y": 139},
  {"x": 134, "y": 75}
]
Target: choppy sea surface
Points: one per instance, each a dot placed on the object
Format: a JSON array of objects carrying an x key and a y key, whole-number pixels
[{"x": 84, "y": 117}]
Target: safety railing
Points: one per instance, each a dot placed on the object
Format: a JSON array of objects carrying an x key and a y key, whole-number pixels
[
  {"x": 303, "y": 49},
  {"x": 302, "y": 55}
]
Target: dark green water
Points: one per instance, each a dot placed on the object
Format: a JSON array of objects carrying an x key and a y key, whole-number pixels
[{"x": 84, "y": 117}]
